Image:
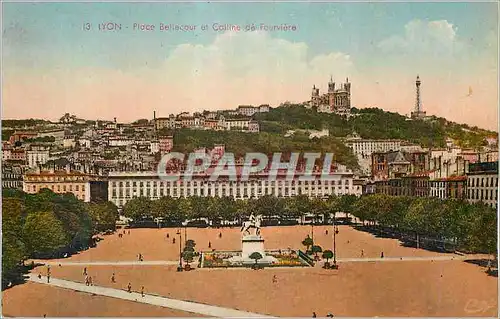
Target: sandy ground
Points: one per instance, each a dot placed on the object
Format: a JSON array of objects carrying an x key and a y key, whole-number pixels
[
  {"x": 410, "y": 288},
  {"x": 35, "y": 300},
  {"x": 420, "y": 288},
  {"x": 153, "y": 244}
]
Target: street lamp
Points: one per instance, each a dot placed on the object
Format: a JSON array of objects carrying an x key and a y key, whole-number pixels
[
  {"x": 180, "y": 250},
  {"x": 312, "y": 230},
  {"x": 335, "y": 232}
]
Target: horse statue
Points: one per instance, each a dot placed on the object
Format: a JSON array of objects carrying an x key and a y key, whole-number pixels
[{"x": 254, "y": 222}]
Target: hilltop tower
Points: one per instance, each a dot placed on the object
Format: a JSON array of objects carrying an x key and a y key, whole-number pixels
[
  {"x": 418, "y": 113},
  {"x": 331, "y": 85}
]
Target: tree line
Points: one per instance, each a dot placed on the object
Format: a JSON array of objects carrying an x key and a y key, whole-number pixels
[
  {"x": 48, "y": 225},
  {"x": 469, "y": 227}
]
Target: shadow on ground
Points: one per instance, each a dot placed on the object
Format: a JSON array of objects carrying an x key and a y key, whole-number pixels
[
  {"x": 406, "y": 240},
  {"x": 483, "y": 262},
  {"x": 20, "y": 277}
]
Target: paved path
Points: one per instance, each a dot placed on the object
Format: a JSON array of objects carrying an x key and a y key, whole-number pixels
[
  {"x": 187, "y": 306},
  {"x": 176, "y": 262},
  {"x": 388, "y": 259},
  {"x": 110, "y": 263}
]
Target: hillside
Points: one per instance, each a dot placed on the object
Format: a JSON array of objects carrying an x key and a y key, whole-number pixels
[
  {"x": 240, "y": 143},
  {"x": 374, "y": 123}
]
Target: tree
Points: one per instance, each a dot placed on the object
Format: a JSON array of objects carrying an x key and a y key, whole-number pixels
[
  {"x": 137, "y": 208},
  {"x": 345, "y": 203},
  {"x": 166, "y": 207},
  {"x": 255, "y": 256},
  {"x": 308, "y": 242},
  {"x": 185, "y": 208},
  {"x": 44, "y": 234},
  {"x": 190, "y": 243},
  {"x": 188, "y": 255},
  {"x": 13, "y": 249},
  {"x": 316, "y": 249},
  {"x": 103, "y": 215},
  {"x": 298, "y": 206},
  {"x": 327, "y": 254}
]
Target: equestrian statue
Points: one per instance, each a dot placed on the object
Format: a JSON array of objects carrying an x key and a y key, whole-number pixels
[{"x": 253, "y": 222}]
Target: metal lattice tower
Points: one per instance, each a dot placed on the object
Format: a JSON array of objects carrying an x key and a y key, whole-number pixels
[{"x": 418, "y": 102}]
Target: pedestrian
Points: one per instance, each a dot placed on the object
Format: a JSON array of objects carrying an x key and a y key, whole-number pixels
[
  {"x": 48, "y": 278},
  {"x": 326, "y": 232},
  {"x": 142, "y": 291},
  {"x": 129, "y": 288},
  {"x": 85, "y": 271},
  {"x": 173, "y": 240},
  {"x": 113, "y": 278},
  {"x": 220, "y": 235},
  {"x": 314, "y": 315},
  {"x": 91, "y": 283},
  {"x": 39, "y": 276},
  {"x": 87, "y": 283},
  {"x": 209, "y": 245},
  {"x": 275, "y": 279},
  {"x": 129, "y": 232},
  {"x": 382, "y": 255},
  {"x": 362, "y": 253},
  {"x": 168, "y": 236}
]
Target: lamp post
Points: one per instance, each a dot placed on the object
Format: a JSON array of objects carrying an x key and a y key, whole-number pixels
[
  {"x": 335, "y": 231},
  {"x": 312, "y": 230},
  {"x": 180, "y": 250}
]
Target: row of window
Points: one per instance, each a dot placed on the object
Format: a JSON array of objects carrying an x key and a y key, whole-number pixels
[
  {"x": 127, "y": 193},
  {"x": 56, "y": 188},
  {"x": 230, "y": 183},
  {"x": 482, "y": 182},
  {"x": 55, "y": 179}
]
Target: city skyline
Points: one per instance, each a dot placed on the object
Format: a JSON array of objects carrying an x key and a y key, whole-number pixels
[{"x": 52, "y": 66}]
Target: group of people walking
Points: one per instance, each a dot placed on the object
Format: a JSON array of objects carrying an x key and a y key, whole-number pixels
[{"x": 329, "y": 315}]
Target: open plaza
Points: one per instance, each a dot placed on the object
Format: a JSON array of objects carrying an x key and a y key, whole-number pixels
[{"x": 405, "y": 282}]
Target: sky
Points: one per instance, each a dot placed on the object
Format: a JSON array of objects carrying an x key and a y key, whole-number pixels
[{"x": 51, "y": 65}]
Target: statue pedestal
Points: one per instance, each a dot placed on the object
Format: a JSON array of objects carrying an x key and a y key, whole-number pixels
[{"x": 251, "y": 244}]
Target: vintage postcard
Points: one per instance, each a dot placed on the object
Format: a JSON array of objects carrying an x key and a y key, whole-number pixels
[{"x": 249, "y": 159}]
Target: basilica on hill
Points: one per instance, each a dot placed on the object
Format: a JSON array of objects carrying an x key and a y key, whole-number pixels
[{"x": 337, "y": 100}]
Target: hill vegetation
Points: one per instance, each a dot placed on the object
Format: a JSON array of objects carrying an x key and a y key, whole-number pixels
[
  {"x": 373, "y": 123},
  {"x": 240, "y": 143}
]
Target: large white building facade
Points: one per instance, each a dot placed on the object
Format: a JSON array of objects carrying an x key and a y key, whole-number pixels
[
  {"x": 363, "y": 149},
  {"x": 482, "y": 183},
  {"x": 123, "y": 186},
  {"x": 37, "y": 155}
]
